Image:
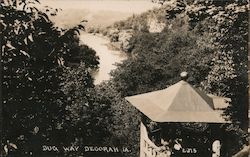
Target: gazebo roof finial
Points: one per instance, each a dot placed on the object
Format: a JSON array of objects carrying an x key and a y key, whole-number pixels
[{"x": 184, "y": 75}]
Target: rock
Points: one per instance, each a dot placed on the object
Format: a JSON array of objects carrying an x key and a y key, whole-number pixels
[
  {"x": 124, "y": 38},
  {"x": 155, "y": 26}
]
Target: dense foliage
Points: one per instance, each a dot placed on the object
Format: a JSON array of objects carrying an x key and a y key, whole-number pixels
[
  {"x": 205, "y": 38},
  {"x": 125, "y": 119},
  {"x": 157, "y": 60},
  {"x": 88, "y": 113},
  {"x": 48, "y": 89},
  {"x": 226, "y": 22},
  {"x": 30, "y": 55}
]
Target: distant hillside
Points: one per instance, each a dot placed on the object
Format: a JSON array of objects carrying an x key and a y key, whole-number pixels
[
  {"x": 71, "y": 17},
  {"x": 98, "y": 13},
  {"x": 121, "y": 32},
  {"x": 144, "y": 22}
]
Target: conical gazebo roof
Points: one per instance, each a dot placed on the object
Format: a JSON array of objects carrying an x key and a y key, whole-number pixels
[{"x": 179, "y": 103}]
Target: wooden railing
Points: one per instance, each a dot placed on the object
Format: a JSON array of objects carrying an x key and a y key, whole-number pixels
[{"x": 148, "y": 148}]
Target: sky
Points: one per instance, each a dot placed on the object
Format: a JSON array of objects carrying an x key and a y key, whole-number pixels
[
  {"x": 96, "y": 12},
  {"x": 134, "y": 6}
]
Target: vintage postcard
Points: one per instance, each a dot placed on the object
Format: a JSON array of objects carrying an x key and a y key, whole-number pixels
[{"x": 124, "y": 78}]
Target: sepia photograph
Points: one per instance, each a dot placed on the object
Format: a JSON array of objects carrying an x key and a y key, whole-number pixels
[{"x": 124, "y": 78}]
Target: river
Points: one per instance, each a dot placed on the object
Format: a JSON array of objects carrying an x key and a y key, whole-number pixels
[{"x": 108, "y": 57}]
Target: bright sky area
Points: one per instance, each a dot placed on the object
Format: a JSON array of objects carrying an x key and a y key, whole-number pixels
[{"x": 135, "y": 6}]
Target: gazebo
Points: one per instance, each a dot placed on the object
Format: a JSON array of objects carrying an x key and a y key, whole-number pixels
[{"x": 182, "y": 105}]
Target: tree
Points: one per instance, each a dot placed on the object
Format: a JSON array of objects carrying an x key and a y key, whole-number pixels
[
  {"x": 157, "y": 59},
  {"x": 228, "y": 29},
  {"x": 209, "y": 42},
  {"x": 124, "y": 120},
  {"x": 88, "y": 114},
  {"x": 29, "y": 78},
  {"x": 155, "y": 62},
  {"x": 34, "y": 55}
]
